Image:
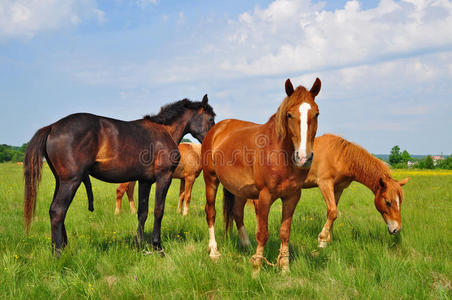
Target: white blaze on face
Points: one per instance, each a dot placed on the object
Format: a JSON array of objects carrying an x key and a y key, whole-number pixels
[
  {"x": 304, "y": 110},
  {"x": 398, "y": 202}
]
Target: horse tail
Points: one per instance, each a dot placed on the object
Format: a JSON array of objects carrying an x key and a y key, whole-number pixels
[
  {"x": 34, "y": 154},
  {"x": 228, "y": 213},
  {"x": 89, "y": 192}
]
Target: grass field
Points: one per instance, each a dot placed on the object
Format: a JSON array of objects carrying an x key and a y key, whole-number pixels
[{"x": 101, "y": 260}]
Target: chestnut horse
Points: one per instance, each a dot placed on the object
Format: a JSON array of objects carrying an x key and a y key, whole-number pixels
[
  {"x": 267, "y": 162},
  {"x": 187, "y": 171},
  {"x": 337, "y": 163},
  {"x": 111, "y": 150}
]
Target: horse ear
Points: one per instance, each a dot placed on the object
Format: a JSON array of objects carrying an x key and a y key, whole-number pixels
[
  {"x": 316, "y": 87},
  {"x": 205, "y": 99},
  {"x": 382, "y": 183},
  {"x": 289, "y": 88},
  {"x": 404, "y": 181}
]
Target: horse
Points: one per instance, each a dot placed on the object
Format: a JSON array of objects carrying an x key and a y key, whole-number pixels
[
  {"x": 265, "y": 161},
  {"x": 187, "y": 171},
  {"x": 336, "y": 165},
  {"x": 82, "y": 145}
]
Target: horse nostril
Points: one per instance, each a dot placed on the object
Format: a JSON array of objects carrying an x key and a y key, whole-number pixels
[{"x": 394, "y": 231}]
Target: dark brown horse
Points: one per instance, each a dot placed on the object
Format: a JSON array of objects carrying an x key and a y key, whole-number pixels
[
  {"x": 81, "y": 145},
  {"x": 267, "y": 162}
]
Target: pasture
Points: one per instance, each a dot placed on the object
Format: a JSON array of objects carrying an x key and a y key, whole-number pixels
[{"x": 102, "y": 262}]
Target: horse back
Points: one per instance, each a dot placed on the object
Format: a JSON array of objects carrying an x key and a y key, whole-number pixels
[
  {"x": 328, "y": 163},
  {"x": 109, "y": 149}
]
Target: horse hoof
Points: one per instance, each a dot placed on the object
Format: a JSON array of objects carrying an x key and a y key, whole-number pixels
[
  {"x": 214, "y": 254},
  {"x": 117, "y": 212}
]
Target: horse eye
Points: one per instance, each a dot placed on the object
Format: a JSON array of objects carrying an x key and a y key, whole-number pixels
[
  {"x": 289, "y": 116},
  {"x": 388, "y": 204},
  {"x": 317, "y": 114}
]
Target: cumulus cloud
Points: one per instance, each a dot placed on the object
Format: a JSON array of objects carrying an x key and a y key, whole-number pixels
[
  {"x": 296, "y": 35},
  {"x": 25, "y": 18},
  {"x": 144, "y": 3}
]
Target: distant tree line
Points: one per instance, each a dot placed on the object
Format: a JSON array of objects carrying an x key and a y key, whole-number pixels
[
  {"x": 403, "y": 160},
  {"x": 12, "y": 153}
]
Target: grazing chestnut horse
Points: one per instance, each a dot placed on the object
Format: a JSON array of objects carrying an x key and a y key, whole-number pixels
[
  {"x": 336, "y": 164},
  {"x": 187, "y": 171},
  {"x": 267, "y": 162},
  {"x": 111, "y": 150}
]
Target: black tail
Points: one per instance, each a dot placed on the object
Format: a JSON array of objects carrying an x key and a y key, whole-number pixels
[
  {"x": 89, "y": 192},
  {"x": 34, "y": 154},
  {"x": 228, "y": 213}
]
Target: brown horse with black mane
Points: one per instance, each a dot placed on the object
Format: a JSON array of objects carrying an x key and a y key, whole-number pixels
[
  {"x": 267, "y": 162},
  {"x": 187, "y": 171},
  {"x": 81, "y": 145}
]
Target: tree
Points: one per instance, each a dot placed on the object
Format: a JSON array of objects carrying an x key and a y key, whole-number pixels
[
  {"x": 184, "y": 140},
  {"x": 429, "y": 162},
  {"x": 395, "y": 156},
  {"x": 405, "y": 157}
]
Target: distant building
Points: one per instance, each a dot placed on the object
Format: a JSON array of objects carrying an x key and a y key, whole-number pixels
[
  {"x": 436, "y": 158},
  {"x": 412, "y": 163}
]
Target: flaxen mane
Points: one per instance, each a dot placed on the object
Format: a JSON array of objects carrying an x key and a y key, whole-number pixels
[
  {"x": 363, "y": 165},
  {"x": 169, "y": 113},
  {"x": 281, "y": 115}
]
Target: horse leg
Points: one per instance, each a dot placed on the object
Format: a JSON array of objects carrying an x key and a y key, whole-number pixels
[
  {"x": 187, "y": 193},
  {"x": 89, "y": 192},
  {"x": 212, "y": 183},
  {"x": 64, "y": 193},
  {"x": 130, "y": 190},
  {"x": 181, "y": 196},
  {"x": 327, "y": 190},
  {"x": 120, "y": 190},
  {"x": 161, "y": 190},
  {"x": 337, "y": 196},
  {"x": 288, "y": 207},
  {"x": 239, "y": 205},
  {"x": 144, "y": 187},
  {"x": 262, "y": 209}
]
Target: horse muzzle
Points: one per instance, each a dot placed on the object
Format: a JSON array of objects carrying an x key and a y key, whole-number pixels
[
  {"x": 394, "y": 227},
  {"x": 303, "y": 161}
]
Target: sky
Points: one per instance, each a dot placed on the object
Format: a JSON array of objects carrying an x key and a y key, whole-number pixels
[{"x": 385, "y": 66}]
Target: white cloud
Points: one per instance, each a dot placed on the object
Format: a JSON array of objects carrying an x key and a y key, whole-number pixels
[
  {"x": 181, "y": 18},
  {"x": 297, "y": 36},
  {"x": 25, "y": 18},
  {"x": 144, "y": 3}
]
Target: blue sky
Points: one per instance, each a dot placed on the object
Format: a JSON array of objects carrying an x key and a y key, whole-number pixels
[{"x": 385, "y": 66}]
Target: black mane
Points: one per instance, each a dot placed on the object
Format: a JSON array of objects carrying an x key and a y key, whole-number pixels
[{"x": 170, "y": 112}]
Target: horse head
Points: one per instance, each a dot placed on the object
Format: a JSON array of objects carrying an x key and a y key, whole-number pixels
[
  {"x": 296, "y": 119},
  {"x": 388, "y": 201},
  {"x": 202, "y": 120}
]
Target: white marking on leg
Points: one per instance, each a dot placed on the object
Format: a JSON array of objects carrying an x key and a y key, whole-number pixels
[
  {"x": 212, "y": 241},
  {"x": 244, "y": 236},
  {"x": 304, "y": 110}
]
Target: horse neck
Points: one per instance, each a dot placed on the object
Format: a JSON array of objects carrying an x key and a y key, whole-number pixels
[
  {"x": 367, "y": 172},
  {"x": 178, "y": 128}
]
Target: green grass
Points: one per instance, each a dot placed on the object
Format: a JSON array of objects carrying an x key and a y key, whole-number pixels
[{"x": 101, "y": 260}]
